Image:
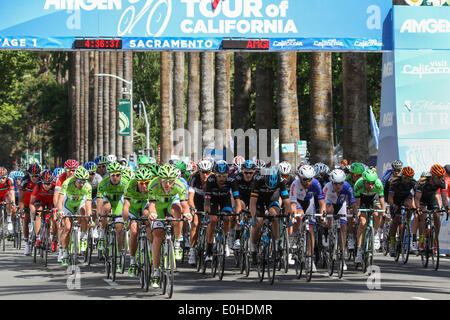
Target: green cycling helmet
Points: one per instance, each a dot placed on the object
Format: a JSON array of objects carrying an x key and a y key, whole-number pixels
[
  {"x": 144, "y": 160},
  {"x": 127, "y": 174},
  {"x": 143, "y": 174},
  {"x": 369, "y": 176},
  {"x": 167, "y": 171},
  {"x": 357, "y": 168},
  {"x": 114, "y": 167},
  {"x": 154, "y": 169},
  {"x": 181, "y": 165},
  {"x": 81, "y": 173}
]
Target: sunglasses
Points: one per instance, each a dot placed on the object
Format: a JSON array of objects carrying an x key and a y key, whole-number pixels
[
  {"x": 70, "y": 170},
  {"x": 143, "y": 182},
  {"x": 371, "y": 183},
  {"x": 338, "y": 184},
  {"x": 47, "y": 183},
  {"x": 439, "y": 177},
  {"x": 35, "y": 176},
  {"x": 306, "y": 180},
  {"x": 397, "y": 171},
  {"x": 222, "y": 175},
  {"x": 115, "y": 174},
  {"x": 167, "y": 180},
  {"x": 249, "y": 172},
  {"x": 101, "y": 166},
  {"x": 91, "y": 173},
  {"x": 205, "y": 172},
  {"x": 3, "y": 177},
  {"x": 81, "y": 181}
]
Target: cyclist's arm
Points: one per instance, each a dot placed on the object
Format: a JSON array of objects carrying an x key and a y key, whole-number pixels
[
  {"x": 191, "y": 199},
  {"x": 417, "y": 198},
  {"x": 60, "y": 202},
  {"x": 253, "y": 201},
  {"x": 88, "y": 207},
  {"x": 32, "y": 207},
  {"x": 391, "y": 199},
  {"x": 56, "y": 195},
  {"x": 152, "y": 207},
  {"x": 443, "y": 196},
  {"x": 382, "y": 203},
  {"x": 126, "y": 209}
]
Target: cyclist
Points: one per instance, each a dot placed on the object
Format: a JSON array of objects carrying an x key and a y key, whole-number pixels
[
  {"x": 181, "y": 165},
  {"x": 76, "y": 196},
  {"x": 322, "y": 173},
  {"x": 369, "y": 193},
  {"x": 7, "y": 194},
  {"x": 302, "y": 197},
  {"x": 259, "y": 165},
  {"x": 94, "y": 178},
  {"x": 197, "y": 188},
  {"x": 111, "y": 158},
  {"x": 284, "y": 169},
  {"x": 144, "y": 161},
  {"x": 401, "y": 192},
  {"x": 427, "y": 198},
  {"x": 356, "y": 171},
  {"x": 110, "y": 200},
  {"x": 57, "y": 172},
  {"x": 127, "y": 175},
  {"x": 42, "y": 198},
  {"x": 168, "y": 196},
  {"x": 102, "y": 163},
  {"x": 123, "y": 162},
  {"x": 396, "y": 170},
  {"x": 136, "y": 197},
  {"x": 265, "y": 196},
  {"x": 218, "y": 198},
  {"x": 25, "y": 191}
]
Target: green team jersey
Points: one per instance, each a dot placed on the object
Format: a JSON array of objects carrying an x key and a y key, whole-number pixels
[
  {"x": 113, "y": 193},
  {"x": 361, "y": 191},
  {"x": 138, "y": 200},
  {"x": 157, "y": 193},
  {"x": 349, "y": 180},
  {"x": 74, "y": 197}
]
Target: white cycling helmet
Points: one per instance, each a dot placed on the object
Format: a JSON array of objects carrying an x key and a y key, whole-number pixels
[
  {"x": 111, "y": 158},
  {"x": 178, "y": 173},
  {"x": 337, "y": 176},
  {"x": 321, "y": 168},
  {"x": 189, "y": 166},
  {"x": 260, "y": 164},
  {"x": 284, "y": 167},
  {"x": 306, "y": 172},
  {"x": 238, "y": 161},
  {"x": 205, "y": 165}
]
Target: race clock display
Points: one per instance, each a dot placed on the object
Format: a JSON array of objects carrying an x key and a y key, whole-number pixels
[{"x": 98, "y": 44}]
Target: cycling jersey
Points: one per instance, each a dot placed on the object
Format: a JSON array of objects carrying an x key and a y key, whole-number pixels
[
  {"x": 220, "y": 195},
  {"x": 349, "y": 180},
  {"x": 196, "y": 185},
  {"x": 428, "y": 191},
  {"x": 268, "y": 197},
  {"x": 138, "y": 200},
  {"x": 298, "y": 194},
  {"x": 324, "y": 180},
  {"x": 74, "y": 198},
  {"x": 402, "y": 191},
  {"x": 94, "y": 184},
  {"x": 60, "y": 181},
  {"x": 164, "y": 201},
  {"x": 339, "y": 201},
  {"x": 368, "y": 199},
  {"x": 27, "y": 186},
  {"x": 386, "y": 176},
  {"x": 5, "y": 188},
  {"x": 45, "y": 197},
  {"x": 112, "y": 194},
  {"x": 245, "y": 188}
]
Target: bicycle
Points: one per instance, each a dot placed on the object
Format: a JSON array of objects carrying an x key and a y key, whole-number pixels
[
  {"x": 336, "y": 248},
  {"x": 303, "y": 255},
  {"x": 73, "y": 243},
  {"x": 403, "y": 239},
  {"x": 431, "y": 241},
  {"x": 386, "y": 245},
  {"x": 17, "y": 225},
  {"x": 200, "y": 246},
  {"x": 284, "y": 244},
  {"x": 267, "y": 250},
  {"x": 143, "y": 263},
  {"x": 4, "y": 227},
  {"x": 244, "y": 251},
  {"x": 167, "y": 262},
  {"x": 320, "y": 251},
  {"x": 368, "y": 241},
  {"x": 44, "y": 235},
  {"x": 111, "y": 248},
  {"x": 185, "y": 240}
]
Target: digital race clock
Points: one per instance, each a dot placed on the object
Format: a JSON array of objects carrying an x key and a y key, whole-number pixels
[{"x": 98, "y": 44}]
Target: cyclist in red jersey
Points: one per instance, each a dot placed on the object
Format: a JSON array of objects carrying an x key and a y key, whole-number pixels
[
  {"x": 25, "y": 191},
  {"x": 41, "y": 199},
  {"x": 7, "y": 194},
  {"x": 70, "y": 166}
]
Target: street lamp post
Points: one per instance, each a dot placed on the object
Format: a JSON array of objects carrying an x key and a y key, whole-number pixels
[{"x": 130, "y": 83}]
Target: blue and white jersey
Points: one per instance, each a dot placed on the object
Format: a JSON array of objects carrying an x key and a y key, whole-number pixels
[
  {"x": 386, "y": 177},
  {"x": 299, "y": 193},
  {"x": 332, "y": 197},
  {"x": 185, "y": 184}
]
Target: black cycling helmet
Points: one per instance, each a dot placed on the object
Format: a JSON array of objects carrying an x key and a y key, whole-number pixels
[{"x": 447, "y": 168}]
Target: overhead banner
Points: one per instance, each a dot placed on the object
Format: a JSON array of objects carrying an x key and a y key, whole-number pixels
[{"x": 292, "y": 24}]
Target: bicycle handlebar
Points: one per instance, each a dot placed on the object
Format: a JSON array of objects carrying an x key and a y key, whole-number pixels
[{"x": 371, "y": 210}]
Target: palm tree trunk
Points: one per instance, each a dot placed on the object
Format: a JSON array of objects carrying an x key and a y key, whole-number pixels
[
  {"x": 356, "y": 118},
  {"x": 242, "y": 86},
  {"x": 120, "y": 85},
  {"x": 166, "y": 124},
  {"x": 86, "y": 107},
  {"x": 93, "y": 97},
  {"x": 100, "y": 120},
  {"x": 288, "y": 104},
  {"x": 106, "y": 102},
  {"x": 222, "y": 98},
  {"x": 113, "y": 104},
  {"x": 128, "y": 75},
  {"x": 321, "y": 108},
  {"x": 72, "y": 103},
  {"x": 82, "y": 107},
  {"x": 193, "y": 103},
  {"x": 178, "y": 99},
  {"x": 207, "y": 99},
  {"x": 77, "y": 104}
]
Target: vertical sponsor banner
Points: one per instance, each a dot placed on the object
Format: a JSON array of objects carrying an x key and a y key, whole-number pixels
[
  {"x": 388, "y": 142},
  {"x": 423, "y": 107},
  {"x": 124, "y": 117}
]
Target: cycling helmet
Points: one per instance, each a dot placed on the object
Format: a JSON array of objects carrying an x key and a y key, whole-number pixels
[
  {"x": 321, "y": 168},
  {"x": 397, "y": 165},
  {"x": 123, "y": 160},
  {"x": 167, "y": 171},
  {"x": 143, "y": 174},
  {"x": 111, "y": 158},
  {"x": 3, "y": 172},
  {"x": 193, "y": 165},
  {"x": 114, "y": 167},
  {"x": 102, "y": 160},
  {"x": 71, "y": 164},
  {"x": 205, "y": 165},
  {"x": 437, "y": 170},
  {"x": 248, "y": 164},
  {"x": 189, "y": 166},
  {"x": 181, "y": 165},
  {"x": 34, "y": 169},
  {"x": 57, "y": 172},
  {"x": 337, "y": 176},
  {"x": 260, "y": 164},
  {"x": 47, "y": 176},
  {"x": 272, "y": 178},
  {"x": 154, "y": 169},
  {"x": 408, "y": 171},
  {"x": 425, "y": 174},
  {"x": 18, "y": 175},
  {"x": 306, "y": 172},
  {"x": 238, "y": 161},
  {"x": 81, "y": 173},
  {"x": 143, "y": 160},
  {"x": 221, "y": 167},
  {"x": 127, "y": 174},
  {"x": 90, "y": 166},
  {"x": 369, "y": 176},
  {"x": 96, "y": 160},
  {"x": 447, "y": 168},
  {"x": 178, "y": 171},
  {"x": 357, "y": 168},
  {"x": 284, "y": 167}
]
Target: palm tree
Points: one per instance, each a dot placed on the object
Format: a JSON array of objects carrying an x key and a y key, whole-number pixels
[
  {"x": 166, "y": 123},
  {"x": 106, "y": 102},
  {"x": 93, "y": 97},
  {"x": 222, "y": 98},
  {"x": 193, "y": 102},
  {"x": 77, "y": 69},
  {"x": 242, "y": 86},
  {"x": 99, "y": 124},
  {"x": 356, "y": 118},
  {"x": 86, "y": 106},
  {"x": 288, "y": 122},
  {"x": 321, "y": 108},
  {"x": 112, "y": 104},
  {"x": 82, "y": 107},
  {"x": 207, "y": 99},
  {"x": 128, "y": 75},
  {"x": 120, "y": 84},
  {"x": 178, "y": 98}
]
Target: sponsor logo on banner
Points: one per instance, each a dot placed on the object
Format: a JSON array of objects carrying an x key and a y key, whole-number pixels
[
  {"x": 426, "y": 26},
  {"x": 167, "y": 43},
  {"x": 368, "y": 43},
  {"x": 328, "y": 43},
  {"x": 388, "y": 119},
  {"x": 87, "y": 5},
  {"x": 435, "y": 67},
  {"x": 285, "y": 43},
  {"x": 414, "y": 3}
]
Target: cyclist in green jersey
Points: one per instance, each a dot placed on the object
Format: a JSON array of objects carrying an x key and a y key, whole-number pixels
[
  {"x": 356, "y": 170},
  {"x": 127, "y": 175},
  {"x": 76, "y": 196},
  {"x": 369, "y": 193},
  {"x": 135, "y": 200},
  {"x": 110, "y": 199},
  {"x": 144, "y": 161},
  {"x": 168, "y": 196}
]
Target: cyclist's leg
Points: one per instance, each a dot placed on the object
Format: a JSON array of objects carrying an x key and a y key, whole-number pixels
[
  {"x": 177, "y": 212},
  {"x": 394, "y": 225},
  {"x": 275, "y": 210},
  {"x": 116, "y": 210},
  {"x": 311, "y": 209},
  {"x": 157, "y": 230},
  {"x": 342, "y": 213},
  {"x": 37, "y": 220}
]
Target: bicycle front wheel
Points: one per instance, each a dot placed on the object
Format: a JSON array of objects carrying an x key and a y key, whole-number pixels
[
  {"x": 330, "y": 255},
  {"x": 147, "y": 268},
  {"x": 272, "y": 259},
  {"x": 340, "y": 253},
  {"x": 113, "y": 252},
  {"x": 169, "y": 269},
  {"x": 434, "y": 249},
  {"x": 368, "y": 250},
  {"x": 285, "y": 248},
  {"x": 405, "y": 243},
  {"x": 261, "y": 259},
  {"x": 221, "y": 256}
]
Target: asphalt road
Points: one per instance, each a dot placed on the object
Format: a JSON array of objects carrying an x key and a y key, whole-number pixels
[{"x": 20, "y": 278}]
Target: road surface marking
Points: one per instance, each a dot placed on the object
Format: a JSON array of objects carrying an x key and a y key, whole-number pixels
[
  {"x": 111, "y": 283},
  {"x": 420, "y": 298}
]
